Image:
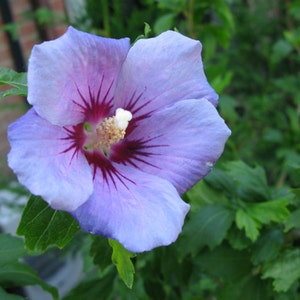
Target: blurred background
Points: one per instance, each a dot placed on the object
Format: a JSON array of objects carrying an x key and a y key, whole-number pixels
[{"x": 251, "y": 53}]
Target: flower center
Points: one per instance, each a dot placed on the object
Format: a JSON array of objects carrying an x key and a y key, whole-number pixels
[{"x": 109, "y": 131}]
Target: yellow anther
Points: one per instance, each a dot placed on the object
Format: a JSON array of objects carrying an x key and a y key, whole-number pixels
[{"x": 109, "y": 131}]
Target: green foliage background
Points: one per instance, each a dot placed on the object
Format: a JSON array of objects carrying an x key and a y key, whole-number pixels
[{"x": 241, "y": 239}]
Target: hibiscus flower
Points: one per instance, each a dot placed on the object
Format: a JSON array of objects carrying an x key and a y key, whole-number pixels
[{"x": 117, "y": 133}]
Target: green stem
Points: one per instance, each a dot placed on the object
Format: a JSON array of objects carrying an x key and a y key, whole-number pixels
[
  {"x": 190, "y": 19},
  {"x": 106, "y": 17}
]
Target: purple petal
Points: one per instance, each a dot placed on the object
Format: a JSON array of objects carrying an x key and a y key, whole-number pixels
[
  {"x": 72, "y": 79},
  {"x": 142, "y": 212},
  {"x": 180, "y": 143},
  {"x": 38, "y": 157},
  {"x": 161, "y": 71}
]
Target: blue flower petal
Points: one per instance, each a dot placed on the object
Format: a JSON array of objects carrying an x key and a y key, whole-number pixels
[
  {"x": 139, "y": 210},
  {"x": 180, "y": 143},
  {"x": 73, "y": 77},
  {"x": 38, "y": 157},
  {"x": 161, "y": 71}
]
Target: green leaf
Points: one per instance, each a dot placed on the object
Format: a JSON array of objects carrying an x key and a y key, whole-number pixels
[
  {"x": 281, "y": 49},
  {"x": 122, "y": 260},
  {"x": 163, "y": 23},
  {"x": 202, "y": 194},
  {"x": 19, "y": 274},
  {"x": 12, "y": 92},
  {"x": 270, "y": 211},
  {"x": 7, "y": 296},
  {"x": 225, "y": 262},
  {"x": 207, "y": 227},
  {"x": 93, "y": 288},
  {"x": 296, "y": 193},
  {"x": 237, "y": 239},
  {"x": 11, "y": 249},
  {"x": 220, "y": 180},
  {"x": 147, "y": 31},
  {"x": 255, "y": 215},
  {"x": 12, "y": 29},
  {"x": 247, "y": 288},
  {"x": 293, "y": 221},
  {"x": 14, "y": 273},
  {"x": 222, "y": 81},
  {"x": 224, "y": 12},
  {"x": 284, "y": 271},
  {"x": 12, "y": 78},
  {"x": 245, "y": 221},
  {"x": 267, "y": 246},
  {"x": 101, "y": 252},
  {"x": 43, "y": 226},
  {"x": 251, "y": 182},
  {"x": 172, "y": 5},
  {"x": 227, "y": 106}
]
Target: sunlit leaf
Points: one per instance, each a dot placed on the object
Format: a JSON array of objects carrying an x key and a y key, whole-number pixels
[
  {"x": 147, "y": 31},
  {"x": 246, "y": 222},
  {"x": 122, "y": 260},
  {"x": 270, "y": 211}
]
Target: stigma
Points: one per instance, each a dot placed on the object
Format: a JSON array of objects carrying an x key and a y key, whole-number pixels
[
  {"x": 122, "y": 118},
  {"x": 109, "y": 131}
]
